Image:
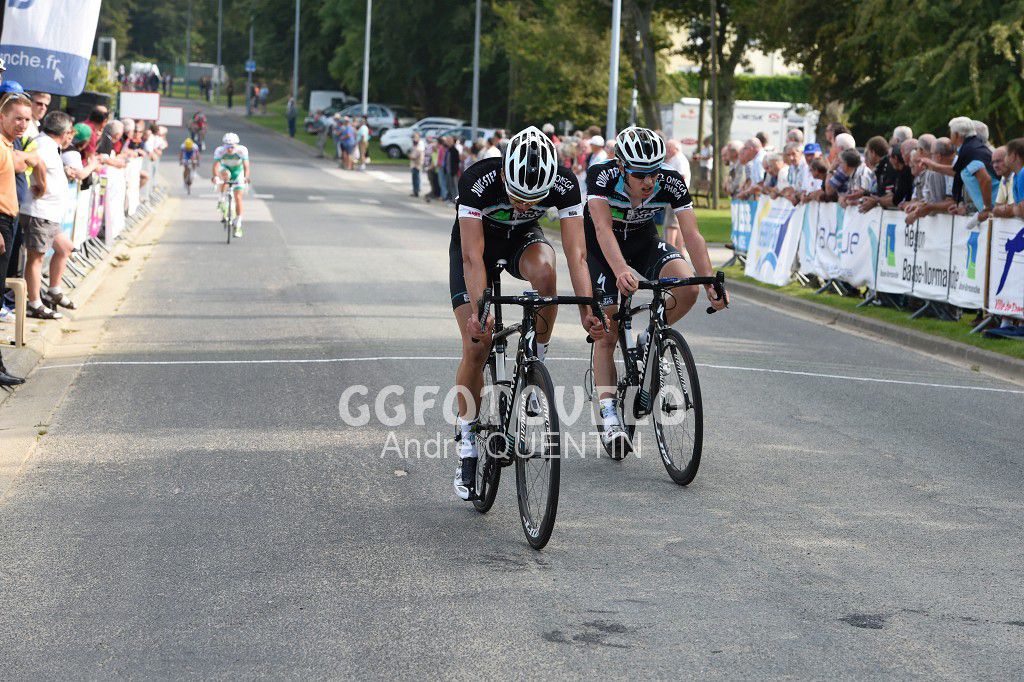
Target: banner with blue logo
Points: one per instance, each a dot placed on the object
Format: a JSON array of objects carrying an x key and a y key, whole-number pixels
[
  {"x": 1006, "y": 268},
  {"x": 857, "y": 244},
  {"x": 805, "y": 250},
  {"x": 827, "y": 236},
  {"x": 895, "y": 262},
  {"x": 47, "y": 43},
  {"x": 932, "y": 245},
  {"x": 743, "y": 213},
  {"x": 774, "y": 240},
  {"x": 967, "y": 260}
]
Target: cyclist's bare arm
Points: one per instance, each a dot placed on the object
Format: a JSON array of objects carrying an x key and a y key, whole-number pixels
[
  {"x": 471, "y": 232},
  {"x": 245, "y": 170},
  {"x": 601, "y": 214},
  {"x": 697, "y": 249},
  {"x": 574, "y": 244}
]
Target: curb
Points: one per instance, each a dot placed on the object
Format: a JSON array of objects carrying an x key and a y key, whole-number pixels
[
  {"x": 951, "y": 351},
  {"x": 42, "y": 336}
]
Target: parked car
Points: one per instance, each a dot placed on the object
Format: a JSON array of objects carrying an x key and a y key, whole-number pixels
[
  {"x": 381, "y": 117},
  {"x": 398, "y": 142},
  {"x": 464, "y": 132}
]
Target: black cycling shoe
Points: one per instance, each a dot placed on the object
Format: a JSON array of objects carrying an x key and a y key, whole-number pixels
[{"x": 465, "y": 478}]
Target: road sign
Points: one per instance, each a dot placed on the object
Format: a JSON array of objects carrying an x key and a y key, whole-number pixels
[{"x": 250, "y": 66}]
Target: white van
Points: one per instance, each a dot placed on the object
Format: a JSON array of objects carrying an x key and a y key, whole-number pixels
[{"x": 328, "y": 99}]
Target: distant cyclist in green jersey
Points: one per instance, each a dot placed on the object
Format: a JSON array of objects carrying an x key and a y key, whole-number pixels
[{"x": 231, "y": 166}]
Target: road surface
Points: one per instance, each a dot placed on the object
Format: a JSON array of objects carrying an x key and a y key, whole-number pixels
[{"x": 198, "y": 507}]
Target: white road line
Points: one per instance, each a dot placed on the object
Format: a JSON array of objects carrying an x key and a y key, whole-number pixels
[
  {"x": 445, "y": 358},
  {"x": 374, "y": 202},
  {"x": 383, "y": 177},
  {"x": 262, "y": 196},
  {"x": 316, "y": 197}
]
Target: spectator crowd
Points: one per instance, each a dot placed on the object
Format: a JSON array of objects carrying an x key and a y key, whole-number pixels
[{"x": 42, "y": 151}]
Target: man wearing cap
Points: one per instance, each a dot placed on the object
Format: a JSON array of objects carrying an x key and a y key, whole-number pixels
[{"x": 597, "y": 152}]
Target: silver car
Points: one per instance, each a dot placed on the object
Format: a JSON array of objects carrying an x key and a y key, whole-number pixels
[{"x": 380, "y": 117}]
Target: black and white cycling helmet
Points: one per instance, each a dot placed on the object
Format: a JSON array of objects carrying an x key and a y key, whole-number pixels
[
  {"x": 530, "y": 164},
  {"x": 640, "y": 149}
]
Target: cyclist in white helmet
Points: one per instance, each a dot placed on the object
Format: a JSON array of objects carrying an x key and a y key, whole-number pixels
[
  {"x": 623, "y": 196},
  {"x": 231, "y": 165},
  {"x": 499, "y": 203}
]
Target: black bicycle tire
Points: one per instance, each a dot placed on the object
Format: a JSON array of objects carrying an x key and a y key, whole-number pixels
[
  {"x": 231, "y": 217},
  {"x": 485, "y": 498},
  {"x": 685, "y": 475},
  {"x": 538, "y": 375}
]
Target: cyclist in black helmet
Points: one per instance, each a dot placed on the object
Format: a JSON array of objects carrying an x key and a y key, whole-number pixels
[
  {"x": 499, "y": 203},
  {"x": 623, "y": 196}
]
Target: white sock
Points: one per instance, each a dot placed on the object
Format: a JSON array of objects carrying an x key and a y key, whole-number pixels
[
  {"x": 56, "y": 291},
  {"x": 542, "y": 350},
  {"x": 36, "y": 303},
  {"x": 608, "y": 412},
  {"x": 467, "y": 447}
]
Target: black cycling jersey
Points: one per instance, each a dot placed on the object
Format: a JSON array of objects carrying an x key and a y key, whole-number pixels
[
  {"x": 482, "y": 195},
  {"x": 606, "y": 183}
]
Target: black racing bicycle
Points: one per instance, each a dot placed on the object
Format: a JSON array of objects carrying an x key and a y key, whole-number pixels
[
  {"x": 659, "y": 379},
  {"x": 518, "y": 421}
]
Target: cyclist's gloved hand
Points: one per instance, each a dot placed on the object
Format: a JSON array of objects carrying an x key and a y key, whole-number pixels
[
  {"x": 478, "y": 332},
  {"x": 592, "y": 324},
  {"x": 626, "y": 283}
]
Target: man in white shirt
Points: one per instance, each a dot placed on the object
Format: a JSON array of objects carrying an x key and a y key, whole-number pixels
[
  {"x": 794, "y": 182},
  {"x": 752, "y": 158},
  {"x": 676, "y": 160},
  {"x": 41, "y": 219},
  {"x": 597, "y": 152}
]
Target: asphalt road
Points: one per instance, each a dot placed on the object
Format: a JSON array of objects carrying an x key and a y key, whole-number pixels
[{"x": 198, "y": 508}]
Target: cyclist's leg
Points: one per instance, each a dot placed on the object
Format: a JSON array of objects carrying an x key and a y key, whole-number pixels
[
  {"x": 603, "y": 283},
  {"x": 469, "y": 374},
  {"x": 663, "y": 260},
  {"x": 534, "y": 261},
  {"x": 237, "y": 191}
]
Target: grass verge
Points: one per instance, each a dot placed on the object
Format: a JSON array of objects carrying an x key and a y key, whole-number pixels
[
  {"x": 955, "y": 331},
  {"x": 716, "y": 226}
]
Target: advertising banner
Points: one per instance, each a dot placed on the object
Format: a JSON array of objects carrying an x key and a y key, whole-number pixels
[
  {"x": 46, "y": 44},
  {"x": 97, "y": 211},
  {"x": 743, "y": 213},
  {"x": 773, "y": 242},
  {"x": 132, "y": 176},
  {"x": 806, "y": 247},
  {"x": 968, "y": 256},
  {"x": 895, "y": 261},
  {"x": 113, "y": 221},
  {"x": 83, "y": 212},
  {"x": 932, "y": 242},
  {"x": 857, "y": 242},
  {"x": 827, "y": 235},
  {"x": 1006, "y": 268}
]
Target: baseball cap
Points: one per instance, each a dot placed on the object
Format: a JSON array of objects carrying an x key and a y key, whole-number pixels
[
  {"x": 3, "y": 64},
  {"x": 82, "y": 132},
  {"x": 812, "y": 148},
  {"x": 598, "y": 140},
  {"x": 11, "y": 86}
]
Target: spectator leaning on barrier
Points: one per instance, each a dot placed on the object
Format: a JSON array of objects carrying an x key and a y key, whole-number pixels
[
  {"x": 41, "y": 222},
  {"x": 76, "y": 167},
  {"x": 752, "y": 157},
  {"x": 972, "y": 171},
  {"x": 1014, "y": 208},
  {"x": 1004, "y": 195},
  {"x": 819, "y": 174},
  {"x": 797, "y": 170},
  {"x": 838, "y": 183},
  {"x": 936, "y": 190}
]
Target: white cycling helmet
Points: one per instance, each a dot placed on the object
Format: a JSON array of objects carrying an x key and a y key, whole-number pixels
[
  {"x": 640, "y": 149},
  {"x": 230, "y": 138},
  {"x": 530, "y": 164}
]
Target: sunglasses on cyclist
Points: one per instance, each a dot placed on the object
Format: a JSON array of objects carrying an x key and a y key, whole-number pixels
[
  {"x": 642, "y": 175},
  {"x": 527, "y": 202}
]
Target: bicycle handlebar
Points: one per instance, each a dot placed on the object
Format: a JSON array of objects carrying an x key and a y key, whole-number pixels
[
  {"x": 718, "y": 282},
  {"x": 485, "y": 302}
]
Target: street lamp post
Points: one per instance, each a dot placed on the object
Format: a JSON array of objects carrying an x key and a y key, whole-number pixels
[
  {"x": 248, "y": 78},
  {"x": 188, "y": 47},
  {"x": 475, "y": 116},
  {"x": 220, "y": 25},
  {"x": 366, "y": 55},
  {"x": 716, "y": 165},
  {"x": 295, "y": 57},
  {"x": 613, "y": 70}
]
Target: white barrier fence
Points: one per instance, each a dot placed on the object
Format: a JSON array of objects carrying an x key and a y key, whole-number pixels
[{"x": 940, "y": 258}]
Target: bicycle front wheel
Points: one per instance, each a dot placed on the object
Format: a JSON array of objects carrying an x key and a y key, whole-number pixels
[
  {"x": 230, "y": 215},
  {"x": 678, "y": 412},
  {"x": 537, "y": 453},
  {"x": 491, "y": 441}
]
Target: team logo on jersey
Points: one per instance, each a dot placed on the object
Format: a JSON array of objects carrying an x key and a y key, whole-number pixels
[
  {"x": 662, "y": 246},
  {"x": 603, "y": 178},
  {"x": 480, "y": 185},
  {"x": 472, "y": 213},
  {"x": 563, "y": 184},
  {"x": 601, "y": 281}
]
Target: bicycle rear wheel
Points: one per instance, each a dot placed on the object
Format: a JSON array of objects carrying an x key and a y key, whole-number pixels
[
  {"x": 491, "y": 442},
  {"x": 678, "y": 411},
  {"x": 229, "y": 218},
  {"x": 538, "y": 450}
]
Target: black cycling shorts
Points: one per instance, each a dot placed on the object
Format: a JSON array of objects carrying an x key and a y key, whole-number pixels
[
  {"x": 499, "y": 243},
  {"x": 644, "y": 251}
]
